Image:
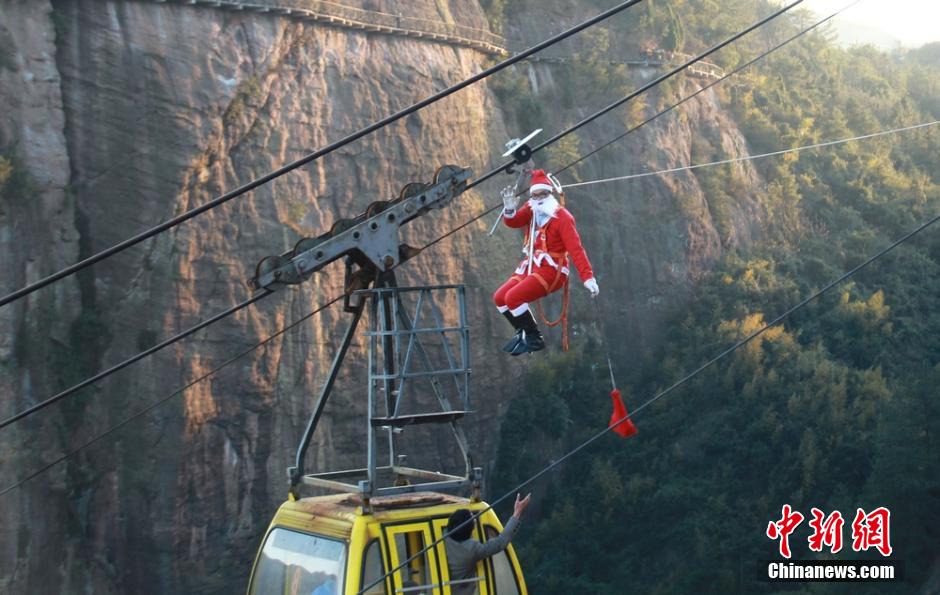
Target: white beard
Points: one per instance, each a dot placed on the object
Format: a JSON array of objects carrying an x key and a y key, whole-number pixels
[{"x": 544, "y": 209}]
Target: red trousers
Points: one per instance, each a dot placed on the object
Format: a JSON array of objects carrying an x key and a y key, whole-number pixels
[{"x": 516, "y": 293}]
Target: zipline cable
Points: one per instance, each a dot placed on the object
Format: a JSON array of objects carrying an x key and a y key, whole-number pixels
[
  {"x": 115, "y": 368},
  {"x": 830, "y": 143},
  {"x": 647, "y": 121},
  {"x": 711, "y": 84},
  {"x": 334, "y": 300},
  {"x": 479, "y": 216},
  {"x": 434, "y": 242},
  {"x": 640, "y": 91},
  {"x": 501, "y": 168},
  {"x": 192, "y": 213},
  {"x": 473, "y": 184},
  {"x": 693, "y": 95},
  {"x": 492, "y": 173},
  {"x": 163, "y": 400},
  {"x": 700, "y": 369},
  {"x": 200, "y": 379},
  {"x": 207, "y": 206},
  {"x": 313, "y": 156},
  {"x": 696, "y": 166},
  {"x": 781, "y": 317}
]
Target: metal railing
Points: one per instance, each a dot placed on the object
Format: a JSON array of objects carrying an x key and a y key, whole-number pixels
[
  {"x": 649, "y": 59},
  {"x": 368, "y": 20},
  {"x": 342, "y": 15}
]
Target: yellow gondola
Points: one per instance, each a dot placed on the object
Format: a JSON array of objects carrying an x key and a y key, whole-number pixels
[{"x": 332, "y": 545}]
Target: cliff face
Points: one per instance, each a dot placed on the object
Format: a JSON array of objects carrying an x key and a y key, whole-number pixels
[
  {"x": 124, "y": 114},
  {"x": 37, "y": 233}
]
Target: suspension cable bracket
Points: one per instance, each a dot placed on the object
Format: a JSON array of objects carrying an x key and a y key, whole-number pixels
[
  {"x": 369, "y": 240},
  {"x": 520, "y": 151}
]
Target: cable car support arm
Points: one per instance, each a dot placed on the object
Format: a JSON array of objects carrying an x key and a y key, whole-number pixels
[{"x": 370, "y": 247}]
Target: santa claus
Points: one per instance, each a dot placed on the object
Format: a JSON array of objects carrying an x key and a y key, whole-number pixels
[{"x": 550, "y": 240}]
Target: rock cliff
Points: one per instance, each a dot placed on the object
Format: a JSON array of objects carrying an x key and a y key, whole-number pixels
[{"x": 123, "y": 114}]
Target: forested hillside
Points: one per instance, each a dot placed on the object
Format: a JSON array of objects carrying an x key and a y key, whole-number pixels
[{"x": 837, "y": 408}]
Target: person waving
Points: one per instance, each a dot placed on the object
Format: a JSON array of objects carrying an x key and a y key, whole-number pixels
[{"x": 551, "y": 239}]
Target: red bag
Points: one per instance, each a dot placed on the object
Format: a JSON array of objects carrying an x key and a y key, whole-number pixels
[{"x": 625, "y": 429}]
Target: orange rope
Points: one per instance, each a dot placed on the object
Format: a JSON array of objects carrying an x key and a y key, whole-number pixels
[{"x": 562, "y": 319}]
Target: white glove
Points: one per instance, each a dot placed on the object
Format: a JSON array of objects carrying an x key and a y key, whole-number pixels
[
  {"x": 510, "y": 200},
  {"x": 591, "y": 285}
]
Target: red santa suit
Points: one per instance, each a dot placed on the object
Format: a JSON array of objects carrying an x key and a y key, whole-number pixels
[
  {"x": 551, "y": 244},
  {"x": 554, "y": 242}
]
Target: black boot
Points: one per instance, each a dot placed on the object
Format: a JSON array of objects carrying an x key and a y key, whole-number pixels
[
  {"x": 531, "y": 336},
  {"x": 511, "y": 345}
]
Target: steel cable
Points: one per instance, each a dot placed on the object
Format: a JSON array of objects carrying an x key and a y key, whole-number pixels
[
  {"x": 485, "y": 177},
  {"x": 553, "y": 464},
  {"x": 554, "y": 139},
  {"x": 163, "y": 400},
  {"x": 829, "y": 143},
  {"x": 640, "y": 90},
  {"x": 711, "y": 84},
  {"x": 117, "y": 367},
  {"x": 464, "y": 225},
  {"x": 169, "y": 224}
]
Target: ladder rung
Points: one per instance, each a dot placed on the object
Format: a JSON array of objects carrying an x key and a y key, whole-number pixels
[
  {"x": 415, "y": 331},
  {"x": 420, "y": 418},
  {"x": 448, "y": 372}
]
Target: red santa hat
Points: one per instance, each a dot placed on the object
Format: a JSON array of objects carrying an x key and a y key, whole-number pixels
[{"x": 540, "y": 181}]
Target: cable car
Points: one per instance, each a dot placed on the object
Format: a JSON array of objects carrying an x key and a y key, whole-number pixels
[
  {"x": 418, "y": 366},
  {"x": 330, "y": 545}
]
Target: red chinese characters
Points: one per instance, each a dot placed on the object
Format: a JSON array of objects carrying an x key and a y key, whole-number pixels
[
  {"x": 872, "y": 530},
  {"x": 826, "y": 532},
  {"x": 784, "y": 527}
]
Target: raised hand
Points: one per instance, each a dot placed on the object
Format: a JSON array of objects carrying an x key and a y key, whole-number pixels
[
  {"x": 520, "y": 505},
  {"x": 510, "y": 200}
]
